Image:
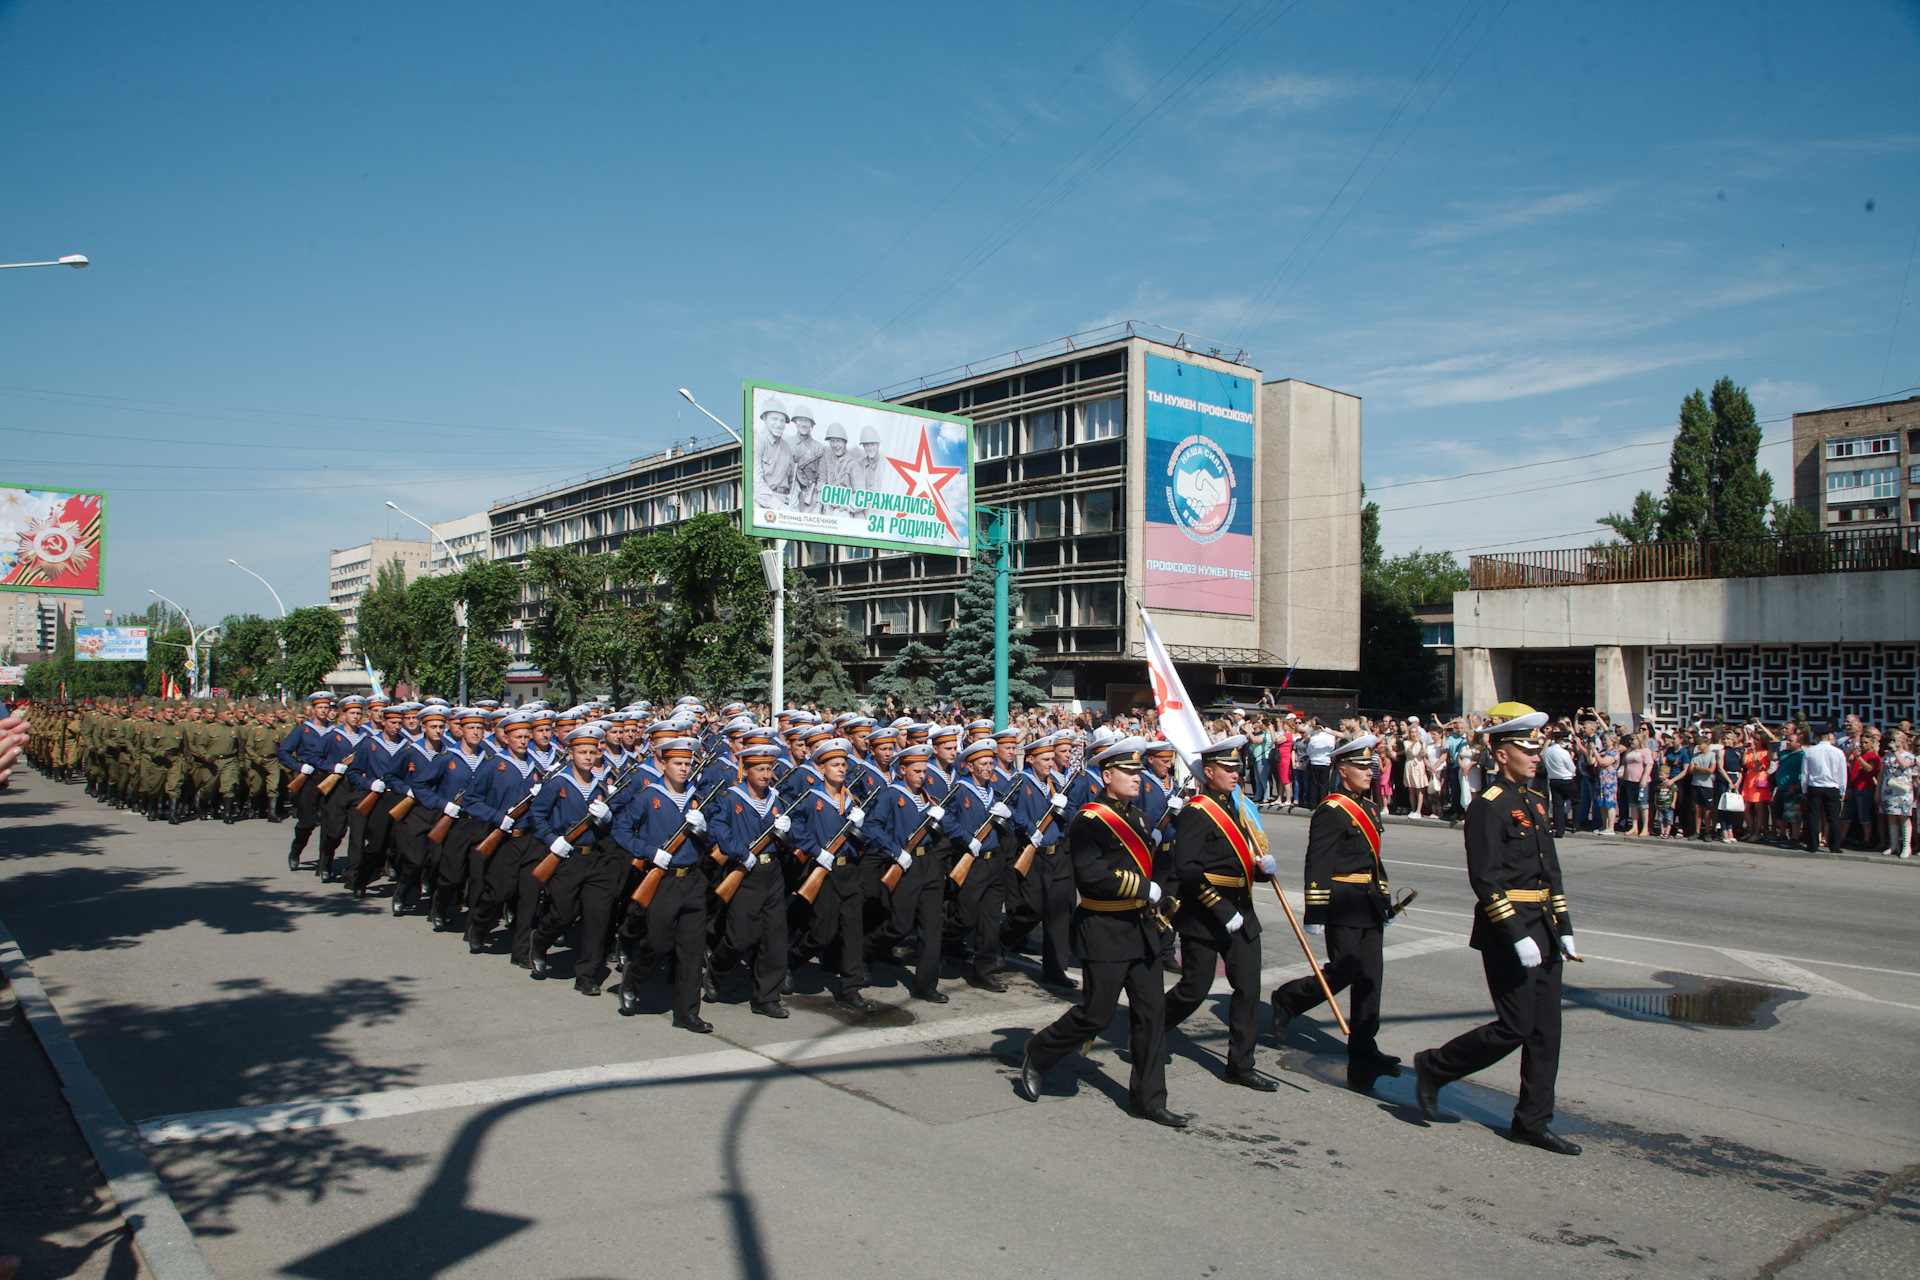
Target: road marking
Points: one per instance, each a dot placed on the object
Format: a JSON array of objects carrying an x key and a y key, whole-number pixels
[
  {"x": 1793, "y": 975},
  {"x": 1433, "y": 866}
]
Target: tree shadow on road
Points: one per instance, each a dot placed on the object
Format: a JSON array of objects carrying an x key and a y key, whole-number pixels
[{"x": 47, "y": 839}]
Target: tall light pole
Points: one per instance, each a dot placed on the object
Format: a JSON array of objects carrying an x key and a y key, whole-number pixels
[
  {"x": 75, "y": 260},
  {"x": 193, "y": 643},
  {"x": 460, "y": 606},
  {"x": 263, "y": 582},
  {"x": 774, "y": 564}
]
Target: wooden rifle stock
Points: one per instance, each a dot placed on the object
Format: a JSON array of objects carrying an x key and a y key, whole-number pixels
[
  {"x": 730, "y": 883},
  {"x": 332, "y": 780},
  {"x": 891, "y": 878},
  {"x": 401, "y": 808},
  {"x": 1024, "y": 863},
  {"x": 651, "y": 885},
  {"x": 492, "y": 839},
  {"x": 960, "y": 869},
  {"x": 365, "y": 807},
  {"x": 439, "y": 832},
  {"x": 299, "y": 781}
]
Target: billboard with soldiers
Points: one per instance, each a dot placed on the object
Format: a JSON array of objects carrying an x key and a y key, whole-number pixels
[
  {"x": 51, "y": 540},
  {"x": 1199, "y": 526},
  {"x": 826, "y": 468}
]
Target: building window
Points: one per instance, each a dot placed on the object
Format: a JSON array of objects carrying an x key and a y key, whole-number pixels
[
  {"x": 1041, "y": 519},
  {"x": 939, "y": 611},
  {"x": 1099, "y": 511},
  {"x": 1862, "y": 448},
  {"x": 856, "y": 616},
  {"x": 816, "y": 553},
  {"x": 1851, "y": 486},
  {"x": 1043, "y": 430},
  {"x": 1436, "y": 634},
  {"x": 1913, "y": 474},
  {"x": 994, "y": 440},
  {"x": 1039, "y": 607},
  {"x": 1097, "y": 606},
  {"x": 1102, "y": 419},
  {"x": 893, "y": 614},
  {"x": 856, "y": 553}
]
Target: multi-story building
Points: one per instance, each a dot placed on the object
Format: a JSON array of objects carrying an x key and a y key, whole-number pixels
[
  {"x": 1082, "y": 443},
  {"x": 468, "y": 538},
  {"x": 1858, "y": 468},
  {"x": 350, "y": 575}
]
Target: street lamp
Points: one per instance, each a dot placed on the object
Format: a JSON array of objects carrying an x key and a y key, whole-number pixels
[
  {"x": 263, "y": 582},
  {"x": 193, "y": 643},
  {"x": 773, "y": 563},
  {"x": 460, "y": 608},
  {"x": 75, "y": 260},
  {"x": 702, "y": 408}
]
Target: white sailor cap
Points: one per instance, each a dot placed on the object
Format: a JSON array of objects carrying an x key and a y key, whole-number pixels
[{"x": 586, "y": 733}]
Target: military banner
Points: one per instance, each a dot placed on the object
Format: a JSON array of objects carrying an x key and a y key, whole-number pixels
[
  {"x": 825, "y": 468},
  {"x": 51, "y": 540},
  {"x": 110, "y": 644}
]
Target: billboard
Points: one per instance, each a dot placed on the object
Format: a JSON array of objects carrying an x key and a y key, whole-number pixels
[
  {"x": 824, "y": 468},
  {"x": 110, "y": 644},
  {"x": 1199, "y": 489},
  {"x": 13, "y": 675},
  {"x": 51, "y": 540}
]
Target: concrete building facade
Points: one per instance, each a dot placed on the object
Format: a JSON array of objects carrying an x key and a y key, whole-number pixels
[
  {"x": 351, "y": 574},
  {"x": 1858, "y": 468}
]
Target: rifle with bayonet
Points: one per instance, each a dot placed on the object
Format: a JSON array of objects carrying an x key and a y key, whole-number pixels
[
  {"x": 671, "y": 845},
  {"x": 544, "y": 870},
  {"x": 1024, "y": 863},
  {"x": 965, "y": 864}
]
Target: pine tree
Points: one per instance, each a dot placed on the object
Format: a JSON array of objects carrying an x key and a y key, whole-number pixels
[
  {"x": 1742, "y": 493},
  {"x": 966, "y": 660},
  {"x": 1689, "y": 473},
  {"x": 908, "y": 678},
  {"x": 1640, "y": 524},
  {"x": 818, "y": 646}
]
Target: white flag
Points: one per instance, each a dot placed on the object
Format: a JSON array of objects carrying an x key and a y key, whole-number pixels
[{"x": 1179, "y": 723}]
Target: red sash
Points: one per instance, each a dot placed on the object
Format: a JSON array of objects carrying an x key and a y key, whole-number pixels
[
  {"x": 1360, "y": 819},
  {"x": 1235, "y": 836},
  {"x": 1128, "y": 836}
]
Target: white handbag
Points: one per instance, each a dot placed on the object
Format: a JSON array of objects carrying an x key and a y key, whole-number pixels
[{"x": 1732, "y": 803}]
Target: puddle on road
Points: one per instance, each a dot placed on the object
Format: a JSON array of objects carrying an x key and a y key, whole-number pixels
[
  {"x": 1697, "y": 1001},
  {"x": 883, "y": 1015}
]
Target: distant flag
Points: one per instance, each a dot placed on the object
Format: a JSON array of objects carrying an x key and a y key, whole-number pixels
[
  {"x": 1288, "y": 679},
  {"x": 373, "y": 677},
  {"x": 1178, "y": 720},
  {"x": 169, "y": 687}
]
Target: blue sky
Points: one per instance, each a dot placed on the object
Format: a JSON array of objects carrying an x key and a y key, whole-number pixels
[{"x": 444, "y": 253}]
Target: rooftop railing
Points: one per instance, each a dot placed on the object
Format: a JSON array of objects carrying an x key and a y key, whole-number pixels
[{"x": 1832, "y": 551}]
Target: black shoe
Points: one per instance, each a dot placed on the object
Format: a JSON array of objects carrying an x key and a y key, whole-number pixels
[
  {"x": 293, "y": 859},
  {"x": 988, "y": 983},
  {"x": 520, "y": 962},
  {"x": 932, "y": 995},
  {"x": 856, "y": 1002},
  {"x": 1030, "y": 1076},
  {"x": 786, "y": 986},
  {"x": 694, "y": 1023},
  {"x": 1250, "y": 1080},
  {"x": 774, "y": 1010},
  {"x": 475, "y": 945},
  {"x": 1385, "y": 1063},
  {"x": 709, "y": 990},
  {"x": 586, "y": 986},
  {"x": 1281, "y": 1019},
  {"x": 1060, "y": 980},
  {"x": 537, "y": 962},
  {"x": 1426, "y": 1090},
  {"x": 399, "y": 905},
  {"x": 1544, "y": 1140},
  {"x": 629, "y": 996},
  {"x": 358, "y": 890},
  {"x": 1170, "y": 964},
  {"x": 1160, "y": 1115}
]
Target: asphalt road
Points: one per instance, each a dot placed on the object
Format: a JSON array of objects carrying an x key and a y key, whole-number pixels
[{"x": 330, "y": 1092}]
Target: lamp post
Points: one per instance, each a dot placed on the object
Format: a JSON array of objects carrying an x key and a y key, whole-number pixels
[
  {"x": 774, "y": 564},
  {"x": 75, "y": 260},
  {"x": 459, "y": 608},
  {"x": 263, "y": 582},
  {"x": 193, "y": 642}
]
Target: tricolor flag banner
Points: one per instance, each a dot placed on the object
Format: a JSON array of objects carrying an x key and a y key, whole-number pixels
[
  {"x": 373, "y": 677},
  {"x": 169, "y": 687},
  {"x": 1179, "y": 722}
]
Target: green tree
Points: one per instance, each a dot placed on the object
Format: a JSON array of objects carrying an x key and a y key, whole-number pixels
[
  {"x": 312, "y": 635},
  {"x": 563, "y": 641},
  {"x": 385, "y": 624},
  {"x": 243, "y": 658},
  {"x": 1397, "y": 672},
  {"x": 966, "y": 660},
  {"x": 1421, "y": 577},
  {"x": 1642, "y": 523},
  {"x": 909, "y": 678},
  {"x": 704, "y": 626},
  {"x": 1689, "y": 498},
  {"x": 819, "y": 647},
  {"x": 1370, "y": 556},
  {"x": 490, "y": 590},
  {"x": 167, "y": 655},
  {"x": 1791, "y": 520},
  {"x": 1742, "y": 493}
]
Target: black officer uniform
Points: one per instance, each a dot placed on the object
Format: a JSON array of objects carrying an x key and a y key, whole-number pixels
[
  {"x": 1347, "y": 895},
  {"x": 1116, "y": 933},
  {"x": 1216, "y": 920},
  {"x": 1515, "y": 875}
]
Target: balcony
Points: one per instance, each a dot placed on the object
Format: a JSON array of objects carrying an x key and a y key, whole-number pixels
[{"x": 1834, "y": 551}]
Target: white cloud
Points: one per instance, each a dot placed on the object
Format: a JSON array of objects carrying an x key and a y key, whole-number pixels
[
  {"x": 1515, "y": 216},
  {"x": 1284, "y": 93},
  {"x": 1482, "y": 377}
]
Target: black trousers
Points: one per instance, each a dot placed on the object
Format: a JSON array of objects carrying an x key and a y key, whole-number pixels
[
  {"x": 1565, "y": 794},
  {"x": 371, "y": 853},
  {"x": 1198, "y": 954},
  {"x": 306, "y": 811},
  {"x": 409, "y": 846},
  {"x": 756, "y": 923},
  {"x": 838, "y": 913},
  {"x": 1822, "y": 804},
  {"x": 334, "y": 818},
  {"x": 979, "y": 907},
  {"x": 1045, "y": 896},
  {"x": 1318, "y": 776},
  {"x": 1146, "y": 1024},
  {"x": 452, "y": 859},
  {"x": 914, "y": 908},
  {"x": 1353, "y": 960},
  {"x": 1526, "y": 1006},
  {"x": 673, "y": 924},
  {"x": 583, "y": 889},
  {"x": 505, "y": 877}
]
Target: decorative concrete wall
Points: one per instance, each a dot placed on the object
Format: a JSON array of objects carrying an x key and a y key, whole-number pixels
[{"x": 1823, "y": 682}]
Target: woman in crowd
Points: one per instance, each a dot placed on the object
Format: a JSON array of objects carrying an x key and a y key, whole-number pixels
[
  {"x": 1726, "y": 783},
  {"x": 1470, "y": 777},
  {"x": 1283, "y": 743},
  {"x": 1863, "y": 788},
  {"x": 1785, "y": 782},
  {"x": 1756, "y": 780},
  {"x": 1636, "y": 782},
  {"x": 1898, "y": 767},
  {"x": 1606, "y": 779},
  {"x": 1414, "y": 775},
  {"x": 1259, "y": 748}
]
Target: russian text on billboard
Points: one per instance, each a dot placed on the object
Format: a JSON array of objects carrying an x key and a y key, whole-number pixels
[{"x": 1199, "y": 489}]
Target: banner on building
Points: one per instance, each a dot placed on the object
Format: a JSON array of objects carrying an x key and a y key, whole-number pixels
[
  {"x": 1199, "y": 489},
  {"x": 824, "y": 468},
  {"x": 51, "y": 540},
  {"x": 13, "y": 675},
  {"x": 110, "y": 644}
]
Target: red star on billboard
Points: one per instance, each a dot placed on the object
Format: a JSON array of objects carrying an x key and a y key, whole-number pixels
[{"x": 924, "y": 481}]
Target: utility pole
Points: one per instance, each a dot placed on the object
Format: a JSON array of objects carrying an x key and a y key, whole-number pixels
[
  {"x": 1000, "y": 547},
  {"x": 774, "y": 564}
]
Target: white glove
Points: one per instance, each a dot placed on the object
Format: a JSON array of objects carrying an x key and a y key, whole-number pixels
[
  {"x": 697, "y": 820},
  {"x": 535, "y": 791},
  {"x": 1566, "y": 946},
  {"x": 1175, "y": 804},
  {"x": 856, "y": 816},
  {"x": 1316, "y": 930},
  {"x": 973, "y": 846},
  {"x": 599, "y": 811},
  {"x": 662, "y": 859},
  {"x": 1059, "y": 801},
  {"x": 1266, "y": 863},
  {"x": 824, "y": 858},
  {"x": 560, "y": 847},
  {"x": 377, "y": 786},
  {"x": 750, "y": 861},
  {"x": 1529, "y": 952},
  {"x": 1153, "y": 892},
  {"x": 451, "y": 808},
  {"x": 340, "y": 770},
  {"x": 905, "y": 860},
  {"x": 1233, "y": 925},
  {"x": 506, "y": 822},
  {"x": 306, "y": 768},
  {"x": 1000, "y": 812},
  {"x": 783, "y": 824}
]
